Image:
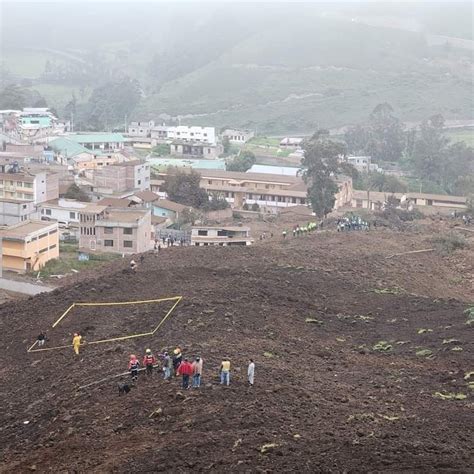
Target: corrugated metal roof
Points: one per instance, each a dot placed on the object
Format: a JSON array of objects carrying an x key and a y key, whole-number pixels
[
  {"x": 97, "y": 137},
  {"x": 70, "y": 148}
]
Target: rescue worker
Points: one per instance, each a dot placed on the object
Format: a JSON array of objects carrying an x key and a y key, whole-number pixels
[
  {"x": 251, "y": 372},
  {"x": 197, "y": 372},
  {"x": 133, "y": 266},
  {"x": 133, "y": 366},
  {"x": 167, "y": 366},
  {"x": 186, "y": 370},
  {"x": 41, "y": 339},
  {"x": 225, "y": 371},
  {"x": 177, "y": 359},
  {"x": 148, "y": 361},
  {"x": 76, "y": 342}
]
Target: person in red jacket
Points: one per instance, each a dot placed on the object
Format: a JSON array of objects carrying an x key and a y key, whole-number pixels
[
  {"x": 186, "y": 370},
  {"x": 149, "y": 361},
  {"x": 133, "y": 367}
]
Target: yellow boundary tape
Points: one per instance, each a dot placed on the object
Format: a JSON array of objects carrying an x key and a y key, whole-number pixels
[{"x": 121, "y": 338}]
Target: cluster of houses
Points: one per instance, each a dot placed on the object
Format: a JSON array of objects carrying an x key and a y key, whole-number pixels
[{"x": 91, "y": 187}]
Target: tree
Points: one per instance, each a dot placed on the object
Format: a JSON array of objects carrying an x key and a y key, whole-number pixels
[
  {"x": 183, "y": 187},
  {"x": 385, "y": 183},
  {"x": 383, "y": 138},
  {"x": 243, "y": 162},
  {"x": 226, "y": 145},
  {"x": 387, "y": 140},
  {"x": 13, "y": 97},
  {"x": 357, "y": 139},
  {"x": 429, "y": 151},
  {"x": 110, "y": 103},
  {"x": 216, "y": 203},
  {"x": 75, "y": 192},
  {"x": 321, "y": 163}
]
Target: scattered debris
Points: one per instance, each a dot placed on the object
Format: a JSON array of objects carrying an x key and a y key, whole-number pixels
[
  {"x": 424, "y": 353},
  {"x": 450, "y": 396},
  {"x": 423, "y": 330},
  {"x": 267, "y": 447},
  {"x": 314, "y": 321}
]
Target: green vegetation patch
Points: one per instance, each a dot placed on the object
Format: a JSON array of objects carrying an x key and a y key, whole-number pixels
[{"x": 382, "y": 346}]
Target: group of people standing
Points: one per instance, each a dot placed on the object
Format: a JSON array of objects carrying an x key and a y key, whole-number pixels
[
  {"x": 352, "y": 222},
  {"x": 190, "y": 371},
  {"x": 303, "y": 229}
]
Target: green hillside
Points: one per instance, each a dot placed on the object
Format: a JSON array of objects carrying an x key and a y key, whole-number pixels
[{"x": 277, "y": 68}]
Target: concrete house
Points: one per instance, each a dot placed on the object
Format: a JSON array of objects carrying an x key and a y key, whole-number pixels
[
  {"x": 13, "y": 211},
  {"x": 141, "y": 129},
  {"x": 169, "y": 209},
  {"x": 195, "y": 149},
  {"x": 66, "y": 211},
  {"x": 238, "y": 136},
  {"x": 270, "y": 191},
  {"x": 184, "y": 133},
  {"x": 121, "y": 177},
  {"x": 223, "y": 236},
  {"x": 28, "y": 245},
  {"x": 29, "y": 186},
  {"x": 124, "y": 231}
]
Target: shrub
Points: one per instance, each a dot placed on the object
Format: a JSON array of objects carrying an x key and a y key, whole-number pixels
[{"x": 449, "y": 242}]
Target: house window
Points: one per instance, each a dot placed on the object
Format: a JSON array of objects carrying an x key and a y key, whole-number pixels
[
  {"x": 52, "y": 247},
  {"x": 43, "y": 250},
  {"x": 209, "y": 181},
  {"x": 222, "y": 233},
  {"x": 72, "y": 215},
  {"x": 128, "y": 243},
  {"x": 108, "y": 243},
  {"x": 108, "y": 230},
  {"x": 139, "y": 181},
  {"x": 48, "y": 212},
  {"x": 358, "y": 202},
  {"x": 42, "y": 236},
  {"x": 202, "y": 232},
  {"x": 24, "y": 206},
  {"x": 128, "y": 231}
]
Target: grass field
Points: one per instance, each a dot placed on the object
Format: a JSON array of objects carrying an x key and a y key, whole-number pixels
[
  {"x": 68, "y": 261},
  {"x": 465, "y": 135}
]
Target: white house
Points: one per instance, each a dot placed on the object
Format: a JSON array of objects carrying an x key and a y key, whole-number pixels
[
  {"x": 163, "y": 133},
  {"x": 66, "y": 211},
  {"x": 223, "y": 236},
  {"x": 362, "y": 163}
]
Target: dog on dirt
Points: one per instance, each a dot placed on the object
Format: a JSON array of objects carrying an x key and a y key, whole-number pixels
[{"x": 124, "y": 388}]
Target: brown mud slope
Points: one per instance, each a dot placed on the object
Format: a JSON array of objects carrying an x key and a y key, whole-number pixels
[{"x": 324, "y": 400}]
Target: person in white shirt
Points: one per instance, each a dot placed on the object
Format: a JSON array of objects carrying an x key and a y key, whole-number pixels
[{"x": 251, "y": 372}]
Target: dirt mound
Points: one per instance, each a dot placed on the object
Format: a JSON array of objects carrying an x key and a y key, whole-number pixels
[{"x": 362, "y": 363}]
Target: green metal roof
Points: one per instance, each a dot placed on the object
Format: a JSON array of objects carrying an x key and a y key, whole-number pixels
[
  {"x": 97, "y": 137},
  {"x": 70, "y": 148}
]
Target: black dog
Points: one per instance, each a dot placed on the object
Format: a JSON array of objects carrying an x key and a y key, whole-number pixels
[{"x": 124, "y": 388}]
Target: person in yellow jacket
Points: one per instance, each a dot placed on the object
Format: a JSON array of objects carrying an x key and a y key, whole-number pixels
[
  {"x": 225, "y": 372},
  {"x": 76, "y": 342}
]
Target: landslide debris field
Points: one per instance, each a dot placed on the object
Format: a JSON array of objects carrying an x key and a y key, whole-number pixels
[{"x": 363, "y": 363}]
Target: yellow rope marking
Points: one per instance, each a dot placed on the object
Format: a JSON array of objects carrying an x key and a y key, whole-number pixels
[
  {"x": 33, "y": 345},
  {"x": 129, "y": 302},
  {"x": 63, "y": 315},
  {"x": 167, "y": 314},
  {"x": 121, "y": 338}
]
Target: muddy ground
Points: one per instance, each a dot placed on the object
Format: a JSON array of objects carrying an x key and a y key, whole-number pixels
[{"x": 355, "y": 354}]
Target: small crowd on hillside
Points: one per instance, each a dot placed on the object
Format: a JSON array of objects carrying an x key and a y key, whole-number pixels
[
  {"x": 352, "y": 222},
  {"x": 176, "y": 365},
  {"x": 303, "y": 229}
]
